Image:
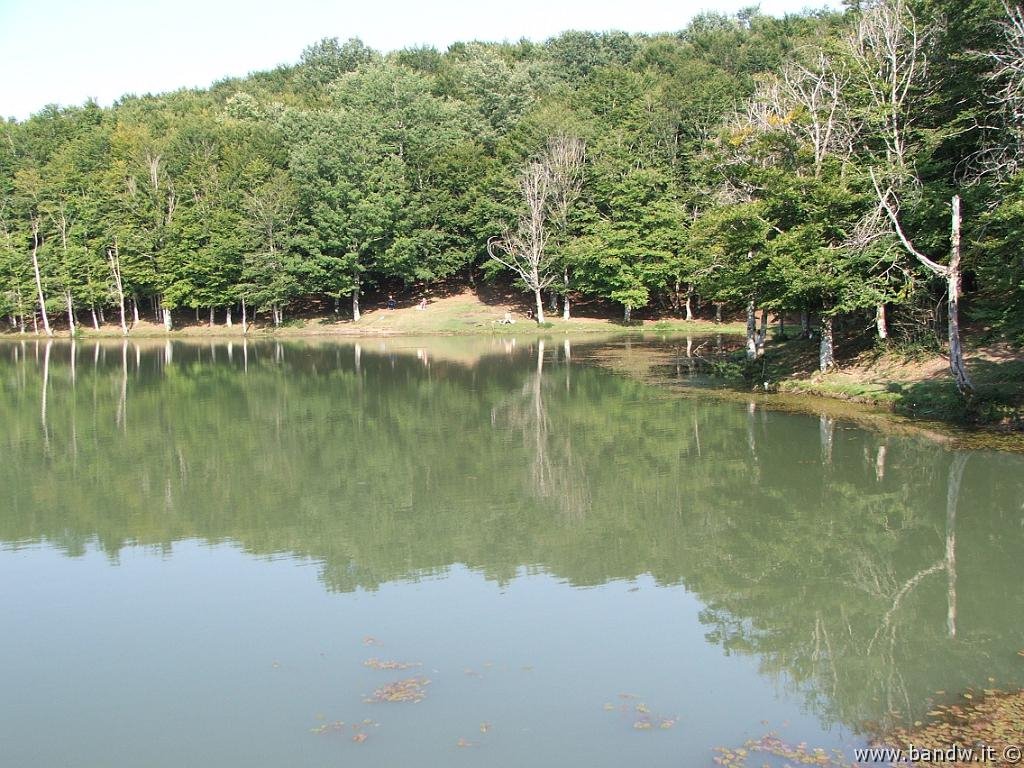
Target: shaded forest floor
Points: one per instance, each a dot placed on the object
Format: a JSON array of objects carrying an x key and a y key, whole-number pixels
[{"x": 448, "y": 312}]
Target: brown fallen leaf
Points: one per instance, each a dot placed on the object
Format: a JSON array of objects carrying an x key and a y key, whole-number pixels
[
  {"x": 463, "y": 743},
  {"x": 359, "y": 738}
]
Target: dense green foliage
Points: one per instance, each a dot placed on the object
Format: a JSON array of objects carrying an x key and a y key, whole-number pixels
[{"x": 730, "y": 162}]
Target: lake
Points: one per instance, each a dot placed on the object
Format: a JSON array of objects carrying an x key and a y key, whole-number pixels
[{"x": 472, "y": 552}]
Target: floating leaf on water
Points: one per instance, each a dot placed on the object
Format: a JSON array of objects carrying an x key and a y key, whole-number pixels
[
  {"x": 642, "y": 725},
  {"x": 359, "y": 738},
  {"x": 609, "y": 707},
  {"x": 667, "y": 723},
  {"x": 485, "y": 727},
  {"x": 628, "y": 696},
  {"x": 412, "y": 689},
  {"x": 463, "y": 743},
  {"x": 275, "y": 664},
  {"x": 642, "y": 709},
  {"x": 378, "y": 664},
  {"x": 336, "y": 726},
  {"x": 370, "y": 640}
]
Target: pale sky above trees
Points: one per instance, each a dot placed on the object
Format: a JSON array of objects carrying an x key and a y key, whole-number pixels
[{"x": 66, "y": 51}]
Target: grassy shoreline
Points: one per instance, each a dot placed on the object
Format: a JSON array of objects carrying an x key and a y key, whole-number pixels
[{"x": 460, "y": 314}]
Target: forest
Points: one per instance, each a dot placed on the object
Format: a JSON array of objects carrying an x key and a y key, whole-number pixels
[{"x": 860, "y": 168}]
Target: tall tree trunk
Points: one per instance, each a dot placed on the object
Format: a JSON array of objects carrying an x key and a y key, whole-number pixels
[
  {"x": 880, "y": 324},
  {"x": 227, "y": 317},
  {"x": 751, "y": 331},
  {"x": 718, "y": 312},
  {"x": 956, "y": 352},
  {"x": 554, "y": 301},
  {"x": 627, "y": 313},
  {"x": 168, "y": 320},
  {"x": 95, "y": 320},
  {"x": 826, "y": 350},
  {"x": 245, "y": 320},
  {"x": 540, "y": 305},
  {"x": 689, "y": 301},
  {"x": 763, "y": 333},
  {"x": 114, "y": 261},
  {"x": 355, "y": 305},
  {"x": 565, "y": 296},
  {"x": 952, "y": 274},
  {"x": 805, "y": 324},
  {"x": 212, "y": 322},
  {"x": 71, "y": 311},
  {"x": 135, "y": 309},
  {"x": 39, "y": 281}
]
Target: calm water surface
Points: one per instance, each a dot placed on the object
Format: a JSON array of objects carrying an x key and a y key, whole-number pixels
[{"x": 202, "y": 544}]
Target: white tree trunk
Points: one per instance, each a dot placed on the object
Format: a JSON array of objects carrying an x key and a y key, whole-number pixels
[
  {"x": 763, "y": 333},
  {"x": 355, "y": 305},
  {"x": 540, "y": 305},
  {"x": 39, "y": 281},
  {"x": 751, "y": 331},
  {"x": 95, "y": 320},
  {"x": 227, "y": 317},
  {"x": 689, "y": 301},
  {"x": 212, "y": 320},
  {"x": 245, "y": 320},
  {"x": 826, "y": 349},
  {"x": 880, "y": 324},
  {"x": 167, "y": 318},
  {"x": 135, "y": 310},
  {"x": 627, "y": 313},
  {"x": 114, "y": 262},
  {"x": 71, "y": 311},
  {"x": 956, "y": 352}
]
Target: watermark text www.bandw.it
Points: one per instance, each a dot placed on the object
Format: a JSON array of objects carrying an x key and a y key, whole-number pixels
[{"x": 955, "y": 753}]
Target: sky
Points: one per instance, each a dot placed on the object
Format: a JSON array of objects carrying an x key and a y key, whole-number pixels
[{"x": 66, "y": 51}]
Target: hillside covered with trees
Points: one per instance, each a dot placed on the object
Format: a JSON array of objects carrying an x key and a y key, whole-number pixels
[{"x": 861, "y": 165}]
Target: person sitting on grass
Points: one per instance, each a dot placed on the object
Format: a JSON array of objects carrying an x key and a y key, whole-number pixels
[{"x": 391, "y": 301}]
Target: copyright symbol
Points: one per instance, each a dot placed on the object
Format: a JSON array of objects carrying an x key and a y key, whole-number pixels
[{"x": 1012, "y": 754}]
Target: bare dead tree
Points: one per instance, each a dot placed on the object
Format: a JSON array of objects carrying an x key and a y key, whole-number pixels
[
  {"x": 567, "y": 155},
  {"x": 114, "y": 263},
  {"x": 950, "y": 272},
  {"x": 1004, "y": 156},
  {"x": 806, "y": 101},
  {"x": 549, "y": 185},
  {"x": 886, "y": 53}
]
